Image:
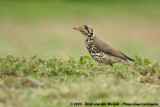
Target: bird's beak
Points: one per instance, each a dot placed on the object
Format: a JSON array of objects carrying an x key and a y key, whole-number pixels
[{"x": 78, "y": 28}]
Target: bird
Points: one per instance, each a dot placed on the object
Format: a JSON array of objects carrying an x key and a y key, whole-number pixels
[{"x": 100, "y": 50}]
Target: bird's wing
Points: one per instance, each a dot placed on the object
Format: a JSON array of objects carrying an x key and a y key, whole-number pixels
[{"x": 108, "y": 49}]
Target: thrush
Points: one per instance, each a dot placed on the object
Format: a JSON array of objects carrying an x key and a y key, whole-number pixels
[{"x": 100, "y": 50}]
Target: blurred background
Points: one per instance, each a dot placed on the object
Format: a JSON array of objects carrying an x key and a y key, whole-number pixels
[{"x": 45, "y": 28}]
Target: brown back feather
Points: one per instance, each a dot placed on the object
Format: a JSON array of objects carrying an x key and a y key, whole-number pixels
[{"x": 108, "y": 49}]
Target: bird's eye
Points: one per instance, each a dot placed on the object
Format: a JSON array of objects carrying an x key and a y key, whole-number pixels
[
  {"x": 86, "y": 27},
  {"x": 89, "y": 30}
]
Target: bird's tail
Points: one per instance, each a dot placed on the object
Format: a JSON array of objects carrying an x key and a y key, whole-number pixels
[{"x": 128, "y": 58}]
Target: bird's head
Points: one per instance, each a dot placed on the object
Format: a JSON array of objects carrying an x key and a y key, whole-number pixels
[{"x": 86, "y": 30}]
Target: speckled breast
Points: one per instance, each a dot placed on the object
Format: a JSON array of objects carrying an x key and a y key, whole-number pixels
[{"x": 95, "y": 53}]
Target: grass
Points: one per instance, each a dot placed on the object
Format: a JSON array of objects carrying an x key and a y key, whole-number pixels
[{"x": 70, "y": 80}]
